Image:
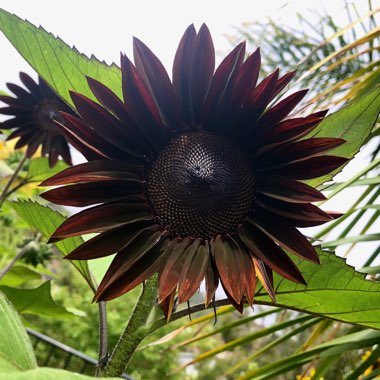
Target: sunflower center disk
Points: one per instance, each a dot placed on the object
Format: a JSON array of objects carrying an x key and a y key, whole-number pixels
[
  {"x": 201, "y": 185},
  {"x": 46, "y": 112}
]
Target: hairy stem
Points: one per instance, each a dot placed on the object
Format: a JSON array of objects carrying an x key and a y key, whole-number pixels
[
  {"x": 4, "y": 194},
  {"x": 103, "y": 337},
  {"x": 135, "y": 331}
]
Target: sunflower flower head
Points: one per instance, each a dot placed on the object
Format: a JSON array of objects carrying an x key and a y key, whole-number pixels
[
  {"x": 195, "y": 178},
  {"x": 35, "y": 108}
]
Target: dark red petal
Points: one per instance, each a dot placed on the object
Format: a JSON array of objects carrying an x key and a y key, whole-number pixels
[
  {"x": 101, "y": 218},
  {"x": 25, "y": 139},
  {"x": 25, "y": 96},
  {"x": 193, "y": 271},
  {"x": 296, "y": 211},
  {"x": 265, "y": 276},
  {"x": 65, "y": 151},
  {"x": 288, "y": 190},
  {"x": 107, "y": 243},
  {"x": 287, "y": 237},
  {"x": 282, "y": 82},
  {"x": 16, "y": 103},
  {"x": 248, "y": 270},
  {"x": 182, "y": 70},
  {"x": 84, "y": 137},
  {"x": 280, "y": 110},
  {"x": 122, "y": 276},
  {"x": 33, "y": 145},
  {"x": 31, "y": 85},
  {"x": 229, "y": 261},
  {"x": 313, "y": 167},
  {"x": 270, "y": 253},
  {"x": 158, "y": 81},
  {"x": 141, "y": 105},
  {"x": 99, "y": 170},
  {"x": 87, "y": 194},
  {"x": 220, "y": 86},
  {"x": 212, "y": 281},
  {"x": 102, "y": 122},
  {"x": 168, "y": 304},
  {"x": 16, "y": 122},
  {"x": 202, "y": 69},
  {"x": 20, "y": 132},
  {"x": 15, "y": 110},
  {"x": 300, "y": 151},
  {"x": 285, "y": 132},
  {"x": 239, "y": 306},
  {"x": 173, "y": 260}
]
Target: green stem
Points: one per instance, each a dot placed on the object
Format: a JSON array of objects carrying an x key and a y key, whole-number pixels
[
  {"x": 135, "y": 332},
  {"x": 4, "y": 194}
]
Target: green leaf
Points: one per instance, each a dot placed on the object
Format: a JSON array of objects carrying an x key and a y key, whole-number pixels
[
  {"x": 47, "y": 220},
  {"x": 39, "y": 169},
  {"x": 351, "y": 239},
  {"x": 333, "y": 347},
  {"x": 35, "y": 301},
  {"x": 16, "y": 352},
  {"x": 18, "y": 275},
  {"x": 63, "y": 67},
  {"x": 334, "y": 290},
  {"x": 50, "y": 374},
  {"x": 352, "y": 123}
]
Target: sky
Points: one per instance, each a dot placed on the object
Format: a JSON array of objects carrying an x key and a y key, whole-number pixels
[{"x": 106, "y": 28}]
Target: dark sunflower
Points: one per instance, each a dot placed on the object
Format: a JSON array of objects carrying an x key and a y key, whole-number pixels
[
  {"x": 195, "y": 178},
  {"x": 35, "y": 109}
]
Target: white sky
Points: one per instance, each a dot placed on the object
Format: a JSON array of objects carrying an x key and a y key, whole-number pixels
[{"x": 105, "y": 28}]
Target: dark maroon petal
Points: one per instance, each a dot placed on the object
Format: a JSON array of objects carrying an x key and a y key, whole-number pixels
[
  {"x": 300, "y": 151},
  {"x": 270, "y": 253},
  {"x": 125, "y": 273},
  {"x": 54, "y": 151},
  {"x": 15, "y": 110},
  {"x": 239, "y": 306},
  {"x": 287, "y": 237},
  {"x": 158, "y": 81},
  {"x": 193, "y": 271},
  {"x": 15, "y": 102},
  {"x": 202, "y": 69},
  {"x": 31, "y": 85},
  {"x": 221, "y": 83},
  {"x": 282, "y": 82},
  {"x": 288, "y": 190},
  {"x": 33, "y": 144},
  {"x": 88, "y": 194},
  {"x": 141, "y": 106},
  {"x": 280, "y": 110},
  {"x": 295, "y": 211},
  {"x": 65, "y": 151},
  {"x": 211, "y": 280},
  {"x": 107, "y": 243},
  {"x": 16, "y": 122},
  {"x": 248, "y": 271},
  {"x": 229, "y": 261},
  {"x": 172, "y": 265},
  {"x": 25, "y": 139},
  {"x": 181, "y": 72},
  {"x": 167, "y": 305},
  {"x": 265, "y": 276},
  {"x": 25, "y": 96},
  {"x": 313, "y": 167},
  {"x": 286, "y": 131},
  {"x": 85, "y": 136},
  {"x": 102, "y": 122},
  {"x": 102, "y": 218},
  {"x": 99, "y": 170},
  {"x": 256, "y": 104},
  {"x": 20, "y": 132}
]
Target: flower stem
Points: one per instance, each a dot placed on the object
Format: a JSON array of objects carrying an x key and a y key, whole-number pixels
[
  {"x": 103, "y": 336},
  {"x": 4, "y": 194},
  {"x": 135, "y": 332}
]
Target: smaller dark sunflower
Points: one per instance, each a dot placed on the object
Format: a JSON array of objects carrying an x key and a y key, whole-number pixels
[{"x": 35, "y": 109}]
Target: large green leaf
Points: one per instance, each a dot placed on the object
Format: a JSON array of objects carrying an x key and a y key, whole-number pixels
[
  {"x": 35, "y": 301},
  {"x": 16, "y": 352},
  {"x": 47, "y": 220},
  {"x": 63, "y": 67},
  {"x": 352, "y": 123},
  {"x": 50, "y": 374},
  {"x": 334, "y": 290}
]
